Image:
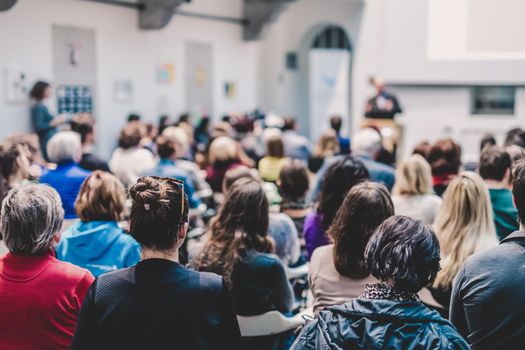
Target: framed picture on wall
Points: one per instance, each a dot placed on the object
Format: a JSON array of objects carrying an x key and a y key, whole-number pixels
[{"x": 16, "y": 86}]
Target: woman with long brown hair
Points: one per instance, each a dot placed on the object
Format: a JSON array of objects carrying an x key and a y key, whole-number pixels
[
  {"x": 338, "y": 271},
  {"x": 240, "y": 250}
]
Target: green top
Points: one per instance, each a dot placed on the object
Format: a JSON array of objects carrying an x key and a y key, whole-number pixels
[{"x": 505, "y": 213}]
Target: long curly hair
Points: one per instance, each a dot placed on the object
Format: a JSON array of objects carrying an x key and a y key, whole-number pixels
[
  {"x": 339, "y": 179},
  {"x": 241, "y": 225}
]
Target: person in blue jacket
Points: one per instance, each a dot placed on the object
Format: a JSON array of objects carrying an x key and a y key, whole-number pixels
[{"x": 96, "y": 242}]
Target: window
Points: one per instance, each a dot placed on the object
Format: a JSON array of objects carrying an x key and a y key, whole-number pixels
[
  {"x": 493, "y": 99},
  {"x": 332, "y": 37}
]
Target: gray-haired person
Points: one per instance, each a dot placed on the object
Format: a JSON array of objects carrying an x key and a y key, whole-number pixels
[{"x": 40, "y": 296}]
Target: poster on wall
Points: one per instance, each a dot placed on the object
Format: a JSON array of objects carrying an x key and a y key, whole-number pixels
[
  {"x": 166, "y": 74},
  {"x": 230, "y": 90},
  {"x": 123, "y": 90},
  {"x": 199, "y": 78},
  {"x": 16, "y": 85},
  {"x": 73, "y": 99}
]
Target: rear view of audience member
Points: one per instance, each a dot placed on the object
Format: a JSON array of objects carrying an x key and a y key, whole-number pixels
[
  {"x": 84, "y": 125},
  {"x": 464, "y": 226},
  {"x": 494, "y": 168},
  {"x": 339, "y": 179},
  {"x": 158, "y": 302},
  {"x": 295, "y": 146},
  {"x": 41, "y": 296},
  {"x": 488, "y": 302},
  {"x": 270, "y": 166},
  {"x": 64, "y": 149},
  {"x": 96, "y": 242},
  {"x": 294, "y": 183},
  {"x": 130, "y": 160},
  {"x": 338, "y": 272},
  {"x": 326, "y": 148},
  {"x": 413, "y": 194},
  {"x": 444, "y": 158},
  {"x": 223, "y": 156},
  {"x": 14, "y": 166},
  {"x": 336, "y": 123},
  {"x": 240, "y": 250},
  {"x": 404, "y": 255}
]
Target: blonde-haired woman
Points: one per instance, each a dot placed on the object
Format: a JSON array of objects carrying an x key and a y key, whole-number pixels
[
  {"x": 413, "y": 193},
  {"x": 327, "y": 146},
  {"x": 464, "y": 226}
]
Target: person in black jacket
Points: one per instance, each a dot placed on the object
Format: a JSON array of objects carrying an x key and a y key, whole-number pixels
[
  {"x": 158, "y": 304},
  {"x": 404, "y": 255}
]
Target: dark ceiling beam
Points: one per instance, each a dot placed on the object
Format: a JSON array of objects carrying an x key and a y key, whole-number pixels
[
  {"x": 6, "y": 4},
  {"x": 131, "y": 5},
  {"x": 259, "y": 13}
]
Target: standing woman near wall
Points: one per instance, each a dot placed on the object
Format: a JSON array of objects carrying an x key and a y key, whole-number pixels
[{"x": 44, "y": 123}]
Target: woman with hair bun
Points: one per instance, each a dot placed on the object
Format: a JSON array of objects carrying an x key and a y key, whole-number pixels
[{"x": 158, "y": 302}]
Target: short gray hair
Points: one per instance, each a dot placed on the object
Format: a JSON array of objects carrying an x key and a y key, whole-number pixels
[
  {"x": 31, "y": 215},
  {"x": 64, "y": 146},
  {"x": 367, "y": 141}
]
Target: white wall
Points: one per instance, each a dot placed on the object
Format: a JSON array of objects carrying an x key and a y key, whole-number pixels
[{"x": 124, "y": 51}]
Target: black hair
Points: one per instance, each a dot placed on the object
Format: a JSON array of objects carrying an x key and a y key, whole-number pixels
[
  {"x": 82, "y": 126},
  {"x": 336, "y": 122},
  {"x": 133, "y": 117},
  {"x": 38, "y": 90},
  {"x": 515, "y": 137},
  {"x": 487, "y": 140},
  {"x": 405, "y": 252},
  {"x": 338, "y": 180},
  {"x": 518, "y": 188},
  {"x": 494, "y": 163}
]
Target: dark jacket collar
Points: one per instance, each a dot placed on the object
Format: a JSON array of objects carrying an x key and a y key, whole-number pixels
[{"x": 517, "y": 235}]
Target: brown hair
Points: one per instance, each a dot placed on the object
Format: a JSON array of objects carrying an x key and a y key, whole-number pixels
[
  {"x": 275, "y": 147},
  {"x": 494, "y": 163},
  {"x": 328, "y": 144},
  {"x": 241, "y": 225},
  {"x": 130, "y": 136},
  {"x": 159, "y": 209},
  {"x": 365, "y": 207},
  {"x": 166, "y": 147},
  {"x": 102, "y": 197},
  {"x": 294, "y": 181},
  {"x": 445, "y": 157},
  {"x": 237, "y": 173}
]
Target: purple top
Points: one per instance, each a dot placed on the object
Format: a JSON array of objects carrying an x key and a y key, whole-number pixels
[{"x": 314, "y": 234}]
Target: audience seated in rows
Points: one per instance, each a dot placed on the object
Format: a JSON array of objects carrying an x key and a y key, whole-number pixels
[
  {"x": 338, "y": 272},
  {"x": 130, "y": 160},
  {"x": 340, "y": 177},
  {"x": 64, "y": 149},
  {"x": 444, "y": 158},
  {"x": 41, "y": 296},
  {"x": 96, "y": 242},
  {"x": 158, "y": 301},
  {"x": 488, "y": 302},
  {"x": 413, "y": 194},
  {"x": 403, "y": 254},
  {"x": 495, "y": 168},
  {"x": 464, "y": 226}
]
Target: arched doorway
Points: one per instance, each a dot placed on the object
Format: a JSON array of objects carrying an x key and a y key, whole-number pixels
[{"x": 329, "y": 78}]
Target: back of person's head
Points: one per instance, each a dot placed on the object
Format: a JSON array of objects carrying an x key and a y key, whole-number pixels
[
  {"x": 518, "y": 189},
  {"x": 327, "y": 145},
  {"x": 403, "y": 252},
  {"x": 367, "y": 141},
  {"x": 422, "y": 148},
  {"x": 84, "y": 126},
  {"x": 38, "y": 92},
  {"x": 64, "y": 146},
  {"x": 488, "y": 140},
  {"x": 102, "y": 197},
  {"x": 444, "y": 157},
  {"x": 179, "y": 137},
  {"x": 241, "y": 225},
  {"x": 336, "y": 122},
  {"x": 464, "y": 223},
  {"x": 294, "y": 180},
  {"x": 340, "y": 177},
  {"x": 365, "y": 207},
  {"x": 237, "y": 173},
  {"x": 289, "y": 124},
  {"x": 494, "y": 163},
  {"x": 13, "y": 160},
  {"x": 166, "y": 147},
  {"x": 31, "y": 217},
  {"x": 133, "y": 117},
  {"x": 223, "y": 150},
  {"x": 516, "y": 137},
  {"x": 413, "y": 177},
  {"x": 29, "y": 142},
  {"x": 130, "y": 136},
  {"x": 158, "y": 213},
  {"x": 274, "y": 144}
]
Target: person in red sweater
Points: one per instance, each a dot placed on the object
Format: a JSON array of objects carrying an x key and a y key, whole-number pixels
[{"x": 40, "y": 296}]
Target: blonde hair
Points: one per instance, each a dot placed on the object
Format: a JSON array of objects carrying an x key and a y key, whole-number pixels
[
  {"x": 464, "y": 224},
  {"x": 413, "y": 177},
  {"x": 328, "y": 144},
  {"x": 223, "y": 149},
  {"x": 102, "y": 197}
]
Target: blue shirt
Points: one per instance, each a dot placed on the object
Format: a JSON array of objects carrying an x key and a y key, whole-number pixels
[
  {"x": 66, "y": 179},
  {"x": 169, "y": 168},
  {"x": 99, "y": 246}
]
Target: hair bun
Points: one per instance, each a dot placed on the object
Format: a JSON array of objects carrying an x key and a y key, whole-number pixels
[{"x": 147, "y": 190}]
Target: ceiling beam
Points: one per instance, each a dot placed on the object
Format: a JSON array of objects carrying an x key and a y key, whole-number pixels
[
  {"x": 259, "y": 13},
  {"x": 6, "y": 4}
]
